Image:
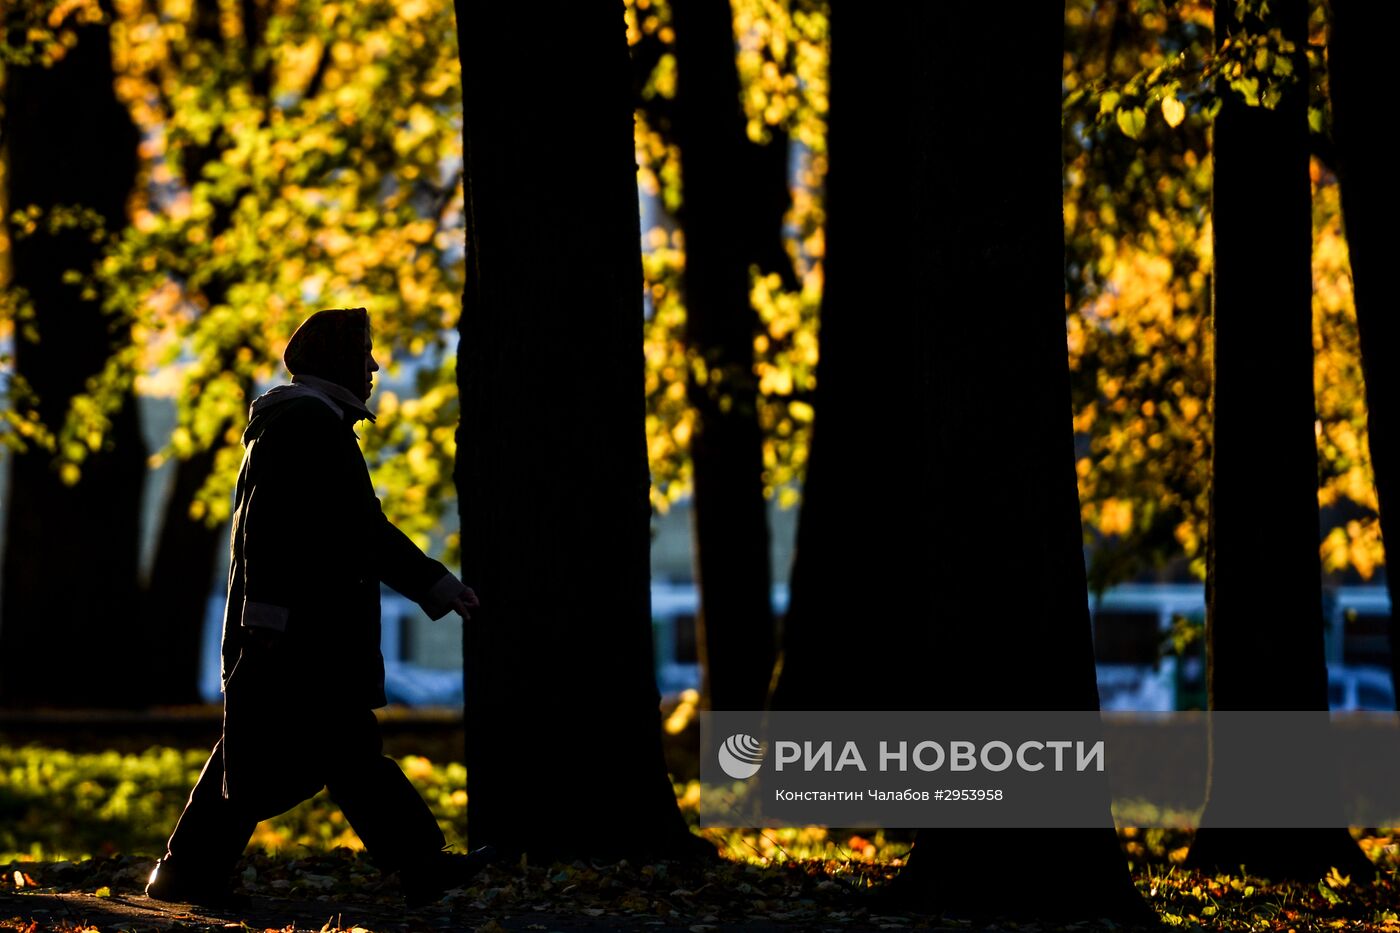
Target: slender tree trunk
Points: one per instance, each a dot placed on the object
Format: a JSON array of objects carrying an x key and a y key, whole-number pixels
[
  {"x": 177, "y": 592},
  {"x": 852, "y": 587},
  {"x": 187, "y": 550},
  {"x": 176, "y": 595},
  {"x": 1356, "y": 51},
  {"x": 1264, "y": 642},
  {"x": 733, "y": 559},
  {"x": 70, "y": 570},
  {"x": 563, "y": 743}
]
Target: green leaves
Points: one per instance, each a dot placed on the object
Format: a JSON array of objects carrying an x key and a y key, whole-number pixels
[
  {"x": 1132, "y": 122},
  {"x": 1259, "y": 65},
  {"x": 1126, "y": 105},
  {"x": 1248, "y": 88}
]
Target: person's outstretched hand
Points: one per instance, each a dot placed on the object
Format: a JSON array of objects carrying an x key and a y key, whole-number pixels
[{"x": 463, "y": 604}]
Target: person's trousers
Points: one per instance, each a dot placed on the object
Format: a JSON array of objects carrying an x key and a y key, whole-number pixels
[{"x": 380, "y": 804}]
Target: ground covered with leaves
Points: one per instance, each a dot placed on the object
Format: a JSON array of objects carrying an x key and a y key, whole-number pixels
[
  {"x": 341, "y": 891},
  {"x": 79, "y": 834}
]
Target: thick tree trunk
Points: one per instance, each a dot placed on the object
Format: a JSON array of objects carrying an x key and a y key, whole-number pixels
[
  {"x": 1264, "y": 600},
  {"x": 967, "y": 264},
  {"x": 1356, "y": 51},
  {"x": 999, "y": 457},
  {"x": 563, "y": 744},
  {"x": 733, "y": 560},
  {"x": 70, "y": 571}
]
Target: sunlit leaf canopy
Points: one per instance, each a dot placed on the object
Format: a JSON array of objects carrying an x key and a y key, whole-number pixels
[
  {"x": 781, "y": 56},
  {"x": 308, "y": 158},
  {"x": 311, "y": 158},
  {"x": 1138, "y": 240}
]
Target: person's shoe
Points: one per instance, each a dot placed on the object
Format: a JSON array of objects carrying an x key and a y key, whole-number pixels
[
  {"x": 426, "y": 882},
  {"x": 167, "y": 885}
]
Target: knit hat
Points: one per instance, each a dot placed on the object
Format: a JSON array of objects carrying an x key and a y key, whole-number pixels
[{"x": 331, "y": 344}]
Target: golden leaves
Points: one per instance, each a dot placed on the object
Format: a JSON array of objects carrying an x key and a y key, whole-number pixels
[
  {"x": 1173, "y": 111},
  {"x": 1140, "y": 334},
  {"x": 1355, "y": 545},
  {"x": 1115, "y": 516},
  {"x": 684, "y": 714},
  {"x": 1339, "y": 389},
  {"x": 782, "y": 62},
  {"x": 74, "y": 12}
]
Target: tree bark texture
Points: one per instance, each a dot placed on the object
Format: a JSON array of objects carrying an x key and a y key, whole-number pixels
[
  {"x": 732, "y": 547},
  {"x": 1264, "y": 624},
  {"x": 563, "y": 746},
  {"x": 70, "y": 569}
]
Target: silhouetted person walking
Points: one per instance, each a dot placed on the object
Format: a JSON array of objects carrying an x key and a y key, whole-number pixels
[{"x": 302, "y": 670}]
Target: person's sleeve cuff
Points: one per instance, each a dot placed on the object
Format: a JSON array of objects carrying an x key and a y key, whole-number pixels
[
  {"x": 264, "y": 615},
  {"x": 440, "y": 596}
]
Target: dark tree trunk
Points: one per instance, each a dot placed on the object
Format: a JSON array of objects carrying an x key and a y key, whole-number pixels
[
  {"x": 999, "y": 457},
  {"x": 733, "y": 561},
  {"x": 187, "y": 549},
  {"x": 990, "y": 611},
  {"x": 551, "y": 463},
  {"x": 1356, "y": 51},
  {"x": 176, "y": 596},
  {"x": 70, "y": 571},
  {"x": 177, "y": 592},
  {"x": 1264, "y": 628},
  {"x": 851, "y": 584}
]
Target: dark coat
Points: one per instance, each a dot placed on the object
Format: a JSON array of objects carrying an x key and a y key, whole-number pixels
[{"x": 310, "y": 545}]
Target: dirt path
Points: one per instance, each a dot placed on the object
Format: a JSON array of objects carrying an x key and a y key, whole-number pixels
[
  {"x": 342, "y": 894},
  {"x": 136, "y": 912}
]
